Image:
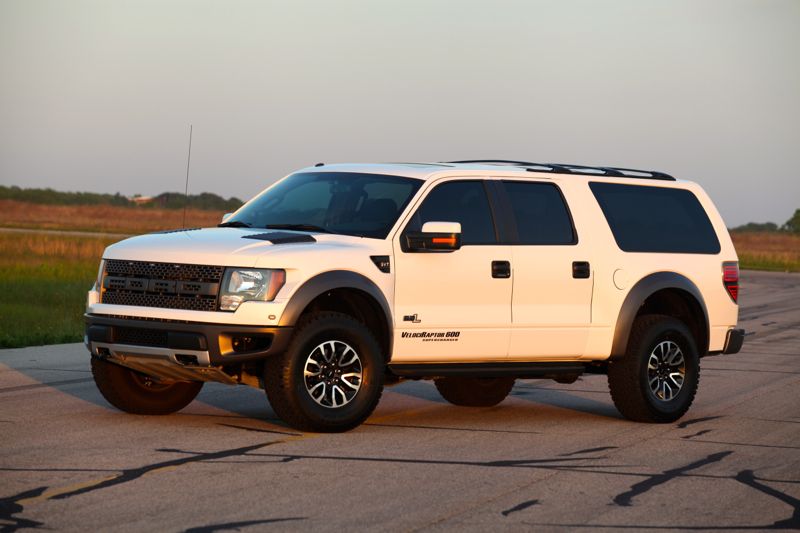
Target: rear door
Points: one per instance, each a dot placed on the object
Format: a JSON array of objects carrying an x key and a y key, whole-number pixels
[
  {"x": 552, "y": 293},
  {"x": 453, "y": 306}
]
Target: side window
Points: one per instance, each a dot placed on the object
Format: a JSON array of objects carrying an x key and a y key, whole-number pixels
[
  {"x": 540, "y": 212},
  {"x": 656, "y": 219},
  {"x": 458, "y": 201}
]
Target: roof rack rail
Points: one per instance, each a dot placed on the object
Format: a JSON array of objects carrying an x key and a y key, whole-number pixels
[
  {"x": 564, "y": 168},
  {"x": 494, "y": 162}
]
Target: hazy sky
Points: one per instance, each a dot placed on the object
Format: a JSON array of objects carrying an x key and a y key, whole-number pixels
[{"x": 98, "y": 95}]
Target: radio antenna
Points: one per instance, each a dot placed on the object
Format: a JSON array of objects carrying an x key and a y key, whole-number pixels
[{"x": 186, "y": 189}]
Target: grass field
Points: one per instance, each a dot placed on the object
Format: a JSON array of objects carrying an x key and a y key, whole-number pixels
[
  {"x": 100, "y": 218},
  {"x": 768, "y": 251},
  {"x": 44, "y": 278},
  {"x": 43, "y": 285}
]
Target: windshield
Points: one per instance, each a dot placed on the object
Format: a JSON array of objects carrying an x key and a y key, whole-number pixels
[{"x": 349, "y": 203}]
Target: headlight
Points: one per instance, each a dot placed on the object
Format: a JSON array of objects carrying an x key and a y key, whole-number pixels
[{"x": 249, "y": 284}]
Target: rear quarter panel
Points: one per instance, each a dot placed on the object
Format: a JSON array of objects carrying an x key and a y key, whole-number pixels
[{"x": 615, "y": 272}]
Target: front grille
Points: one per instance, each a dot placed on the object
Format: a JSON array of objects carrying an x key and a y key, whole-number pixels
[
  {"x": 166, "y": 285},
  {"x": 144, "y": 269},
  {"x": 166, "y": 301},
  {"x": 140, "y": 337}
]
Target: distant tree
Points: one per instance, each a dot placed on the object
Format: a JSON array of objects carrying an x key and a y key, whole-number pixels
[
  {"x": 206, "y": 200},
  {"x": 51, "y": 197},
  {"x": 793, "y": 224},
  {"x": 757, "y": 227}
]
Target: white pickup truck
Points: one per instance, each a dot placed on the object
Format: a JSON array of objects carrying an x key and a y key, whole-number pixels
[{"x": 340, "y": 278}]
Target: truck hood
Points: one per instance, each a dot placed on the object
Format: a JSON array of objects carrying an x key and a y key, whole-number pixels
[{"x": 219, "y": 246}]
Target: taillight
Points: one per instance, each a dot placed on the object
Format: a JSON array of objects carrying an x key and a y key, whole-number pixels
[{"x": 730, "y": 279}]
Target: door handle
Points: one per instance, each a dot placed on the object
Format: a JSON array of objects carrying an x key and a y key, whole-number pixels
[
  {"x": 581, "y": 269},
  {"x": 501, "y": 269}
]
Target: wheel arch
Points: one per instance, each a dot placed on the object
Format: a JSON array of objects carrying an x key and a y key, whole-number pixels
[
  {"x": 344, "y": 291},
  {"x": 666, "y": 293}
]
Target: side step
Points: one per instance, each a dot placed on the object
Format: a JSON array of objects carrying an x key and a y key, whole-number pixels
[{"x": 487, "y": 370}]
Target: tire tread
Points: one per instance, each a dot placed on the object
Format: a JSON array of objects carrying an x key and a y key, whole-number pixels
[
  {"x": 115, "y": 384},
  {"x": 278, "y": 378},
  {"x": 624, "y": 376}
]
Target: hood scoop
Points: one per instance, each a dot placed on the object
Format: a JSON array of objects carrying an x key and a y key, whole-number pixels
[{"x": 281, "y": 237}]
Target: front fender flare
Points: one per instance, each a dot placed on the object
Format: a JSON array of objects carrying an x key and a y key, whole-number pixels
[{"x": 328, "y": 281}]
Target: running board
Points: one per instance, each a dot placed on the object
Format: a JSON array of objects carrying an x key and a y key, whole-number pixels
[{"x": 487, "y": 370}]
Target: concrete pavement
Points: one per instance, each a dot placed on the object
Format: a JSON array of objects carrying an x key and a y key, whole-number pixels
[{"x": 551, "y": 457}]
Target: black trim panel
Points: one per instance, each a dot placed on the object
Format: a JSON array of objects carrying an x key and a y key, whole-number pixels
[
  {"x": 487, "y": 370},
  {"x": 195, "y": 336},
  {"x": 505, "y": 225}
]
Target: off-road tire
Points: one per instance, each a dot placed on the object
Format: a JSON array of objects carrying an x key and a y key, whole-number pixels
[
  {"x": 284, "y": 378},
  {"x": 474, "y": 392},
  {"x": 129, "y": 391},
  {"x": 628, "y": 376}
]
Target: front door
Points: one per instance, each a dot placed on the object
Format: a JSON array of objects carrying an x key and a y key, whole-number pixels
[{"x": 453, "y": 306}]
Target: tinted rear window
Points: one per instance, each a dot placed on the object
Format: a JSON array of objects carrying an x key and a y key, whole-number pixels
[
  {"x": 540, "y": 213},
  {"x": 656, "y": 219}
]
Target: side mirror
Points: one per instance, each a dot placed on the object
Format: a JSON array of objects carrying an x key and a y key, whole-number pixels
[
  {"x": 435, "y": 237},
  {"x": 226, "y": 216}
]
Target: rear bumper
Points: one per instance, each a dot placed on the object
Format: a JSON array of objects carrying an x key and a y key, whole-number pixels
[
  {"x": 184, "y": 343},
  {"x": 734, "y": 341}
]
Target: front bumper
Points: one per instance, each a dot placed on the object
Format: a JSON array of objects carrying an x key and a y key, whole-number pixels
[{"x": 187, "y": 344}]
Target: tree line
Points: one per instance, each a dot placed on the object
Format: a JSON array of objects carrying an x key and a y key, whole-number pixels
[
  {"x": 168, "y": 200},
  {"x": 790, "y": 226}
]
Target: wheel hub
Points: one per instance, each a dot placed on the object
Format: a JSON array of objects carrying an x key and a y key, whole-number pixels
[
  {"x": 666, "y": 370},
  {"x": 332, "y": 374}
]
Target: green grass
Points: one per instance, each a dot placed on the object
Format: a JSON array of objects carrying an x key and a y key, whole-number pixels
[
  {"x": 43, "y": 284},
  {"x": 42, "y": 311},
  {"x": 748, "y": 262}
]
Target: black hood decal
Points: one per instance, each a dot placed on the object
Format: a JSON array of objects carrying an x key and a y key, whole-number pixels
[{"x": 281, "y": 237}]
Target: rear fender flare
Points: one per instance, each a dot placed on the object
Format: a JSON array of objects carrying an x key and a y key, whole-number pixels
[{"x": 636, "y": 297}]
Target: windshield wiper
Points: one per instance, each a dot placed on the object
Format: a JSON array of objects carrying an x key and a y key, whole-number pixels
[
  {"x": 299, "y": 227},
  {"x": 233, "y": 224}
]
